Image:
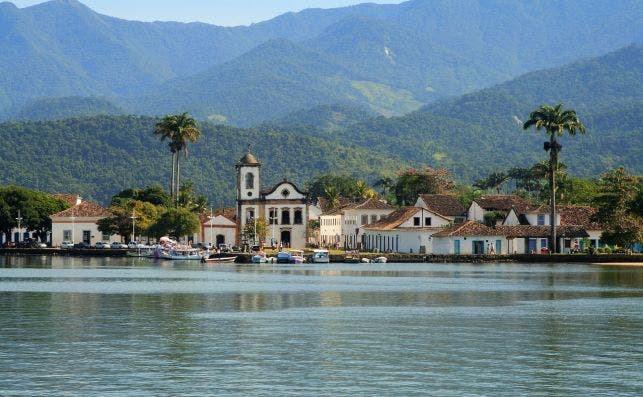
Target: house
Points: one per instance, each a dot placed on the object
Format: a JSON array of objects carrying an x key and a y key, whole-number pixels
[
  {"x": 469, "y": 238},
  {"x": 581, "y": 215},
  {"x": 498, "y": 204},
  {"x": 342, "y": 226},
  {"x": 79, "y": 224},
  {"x": 406, "y": 230},
  {"x": 219, "y": 228},
  {"x": 444, "y": 204},
  {"x": 284, "y": 206}
]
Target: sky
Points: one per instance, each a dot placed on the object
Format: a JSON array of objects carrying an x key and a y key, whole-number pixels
[{"x": 218, "y": 12}]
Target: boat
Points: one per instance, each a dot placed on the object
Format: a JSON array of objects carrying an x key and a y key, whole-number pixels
[
  {"x": 181, "y": 254},
  {"x": 352, "y": 257},
  {"x": 380, "y": 259},
  {"x": 219, "y": 259},
  {"x": 296, "y": 256},
  {"x": 141, "y": 253},
  {"x": 284, "y": 257},
  {"x": 260, "y": 257},
  {"x": 320, "y": 256}
]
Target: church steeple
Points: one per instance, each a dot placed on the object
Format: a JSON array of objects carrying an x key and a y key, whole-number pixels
[{"x": 248, "y": 177}]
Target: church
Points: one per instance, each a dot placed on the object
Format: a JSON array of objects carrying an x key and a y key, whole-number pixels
[{"x": 285, "y": 207}]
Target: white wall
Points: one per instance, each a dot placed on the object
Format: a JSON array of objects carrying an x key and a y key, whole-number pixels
[{"x": 58, "y": 226}]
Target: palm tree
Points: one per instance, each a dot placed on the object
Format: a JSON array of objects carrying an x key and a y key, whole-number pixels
[
  {"x": 179, "y": 129},
  {"x": 555, "y": 121}
]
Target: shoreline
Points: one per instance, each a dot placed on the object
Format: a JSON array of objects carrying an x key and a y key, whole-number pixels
[{"x": 596, "y": 259}]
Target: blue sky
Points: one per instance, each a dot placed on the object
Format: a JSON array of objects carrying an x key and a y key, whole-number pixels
[{"x": 219, "y": 12}]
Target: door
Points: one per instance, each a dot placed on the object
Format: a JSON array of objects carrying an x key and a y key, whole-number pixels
[
  {"x": 498, "y": 247},
  {"x": 87, "y": 236},
  {"x": 532, "y": 246},
  {"x": 478, "y": 247},
  {"x": 285, "y": 238},
  {"x": 220, "y": 239},
  {"x": 456, "y": 247}
]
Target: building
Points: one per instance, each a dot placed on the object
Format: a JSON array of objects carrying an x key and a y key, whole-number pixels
[
  {"x": 444, "y": 204},
  {"x": 284, "y": 206},
  {"x": 79, "y": 224},
  {"x": 406, "y": 230},
  {"x": 499, "y": 204},
  {"x": 220, "y": 228},
  {"x": 342, "y": 227},
  {"x": 469, "y": 238}
]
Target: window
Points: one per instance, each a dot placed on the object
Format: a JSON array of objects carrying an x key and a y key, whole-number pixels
[
  {"x": 285, "y": 193},
  {"x": 250, "y": 181},
  {"x": 427, "y": 221},
  {"x": 364, "y": 219},
  {"x": 273, "y": 216},
  {"x": 67, "y": 235},
  {"x": 541, "y": 219},
  {"x": 285, "y": 216},
  {"x": 298, "y": 218},
  {"x": 373, "y": 218},
  {"x": 416, "y": 221},
  {"x": 250, "y": 214},
  {"x": 543, "y": 243}
]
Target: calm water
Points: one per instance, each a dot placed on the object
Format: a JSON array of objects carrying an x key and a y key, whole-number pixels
[{"x": 131, "y": 327}]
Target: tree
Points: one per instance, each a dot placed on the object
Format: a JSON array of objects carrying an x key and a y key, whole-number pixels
[
  {"x": 329, "y": 186},
  {"x": 152, "y": 194},
  {"x": 617, "y": 208},
  {"x": 413, "y": 182},
  {"x": 555, "y": 121},
  {"x": 176, "y": 223},
  {"x": 178, "y": 129},
  {"x": 35, "y": 208},
  {"x": 493, "y": 181},
  {"x": 190, "y": 200},
  {"x": 121, "y": 222},
  {"x": 251, "y": 233}
]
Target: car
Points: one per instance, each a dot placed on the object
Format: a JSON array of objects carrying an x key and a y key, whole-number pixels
[
  {"x": 117, "y": 245},
  {"x": 66, "y": 244},
  {"x": 101, "y": 245},
  {"x": 82, "y": 245},
  {"x": 136, "y": 245}
]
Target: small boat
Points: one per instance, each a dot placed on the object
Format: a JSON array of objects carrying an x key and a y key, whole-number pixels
[
  {"x": 366, "y": 260},
  {"x": 182, "y": 254},
  {"x": 296, "y": 256},
  {"x": 220, "y": 259},
  {"x": 284, "y": 257},
  {"x": 259, "y": 258},
  {"x": 320, "y": 256},
  {"x": 380, "y": 259},
  {"x": 352, "y": 257},
  {"x": 140, "y": 253}
]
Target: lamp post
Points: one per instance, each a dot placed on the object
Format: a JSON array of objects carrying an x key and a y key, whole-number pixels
[
  {"x": 73, "y": 228},
  {"x": 19, "y": 219},
  {"x": 210, "y": 224},
  {"x": 133, "y": 224}
]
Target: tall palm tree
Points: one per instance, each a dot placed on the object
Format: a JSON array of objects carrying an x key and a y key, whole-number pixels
[
  {"x": 555, "y": 121},
  {"x": 178, "y": 129}
]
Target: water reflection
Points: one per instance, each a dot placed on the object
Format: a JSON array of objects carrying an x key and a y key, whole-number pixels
[{"x": 114, "y": 326}]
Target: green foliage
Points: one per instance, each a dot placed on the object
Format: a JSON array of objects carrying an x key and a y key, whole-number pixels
[
  {"x": 151, "y": 194},
  {"x": 491, "y": 218},
  {"x": 332, "y": 187},
  {"x": 35, "y": 208},
  {"x": 176, "y": 223},
  {"x": 617, "y": 208},
  {"x": 121, "y": 222},
  {"x": 252, "y": 233},
  {"x": 412, "y": 182}
]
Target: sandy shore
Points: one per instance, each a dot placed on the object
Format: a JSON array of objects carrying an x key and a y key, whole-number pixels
[{"x": 619, "y": 264}]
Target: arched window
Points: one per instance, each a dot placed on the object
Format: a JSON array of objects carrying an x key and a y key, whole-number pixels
[
  {"x": 298, "y": 217},
  {"x": 285, "y": 216},
  {"x": 250, "y": 180}
]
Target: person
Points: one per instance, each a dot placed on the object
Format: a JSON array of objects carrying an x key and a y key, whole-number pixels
[{"x": 492, "y": 250}]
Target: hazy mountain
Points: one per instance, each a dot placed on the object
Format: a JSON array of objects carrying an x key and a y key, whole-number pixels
[
  {"x": 390, "y": 58},
  {"x": 66, "y": 107}
]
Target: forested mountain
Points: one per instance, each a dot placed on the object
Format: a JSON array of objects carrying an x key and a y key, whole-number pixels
[
  {"x": 389, "y": 58},
  {"x": 99, "y": 156},
  {"x": 478, "y": 133},
  {"x": 66, "y": 107}
]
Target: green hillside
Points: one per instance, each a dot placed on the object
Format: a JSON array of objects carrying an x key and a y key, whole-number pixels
[
  {"x": 481, "y": 132},
  {"x": 66, "y": 107},
  {"x": 99, "y": 156}
]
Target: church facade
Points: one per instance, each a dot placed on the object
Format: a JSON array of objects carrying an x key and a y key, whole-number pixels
[{"x": 284, "y": 206}]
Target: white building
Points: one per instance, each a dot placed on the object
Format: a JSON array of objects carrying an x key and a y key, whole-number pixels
[
  {"x": 342, "y": 227},
  {"x": 469, "y": 238},
  {"x": 220, "y": 228},
  {"x": 78, "y": 224},
  {"x": 497, "y": 203},
  {"x": 444, "y": 204},
  {"x": 284, "y": 206},
  {"x": 406, "y": 230}
]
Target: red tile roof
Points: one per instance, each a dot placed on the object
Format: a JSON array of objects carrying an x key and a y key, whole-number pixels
[
  {"x": 503, "y": 202},
  {"x": 68, "y": 198},
  {"x": 539, "y": 231},
  {"x": 230, "y": 213},
  {"x": 443, "y": 204},
  {"x": 84, "y": 209},
  {"x": 361, "y": 204},
  {"x": 469, "y": 228},
  {"x": 394, "y": 219},
  {"x": 578, "y": 215}
]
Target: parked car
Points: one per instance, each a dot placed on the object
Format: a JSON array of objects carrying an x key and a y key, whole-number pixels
[
  {"x": 204, "y": 245},
  {"x": 66, "y": 244},
  {"x": 136, "y": 245},
  {"x": 101, "y": 245},
  {"x": 82, "y": 245},
  {"x": 117, "y": 245}
]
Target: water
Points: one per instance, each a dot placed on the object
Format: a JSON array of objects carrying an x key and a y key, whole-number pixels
[{"x": 132, "y": 327}]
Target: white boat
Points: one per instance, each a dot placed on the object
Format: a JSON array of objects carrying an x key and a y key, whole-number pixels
[
  {"x": 380, "y": 259},
  {"x": 141, "y": 252},
  {"x": 181, "y": 254},
  {"x": 320, "y": 256},
  {"x": 219, "y": 259},
  {"x": 296, "y": 256}
]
